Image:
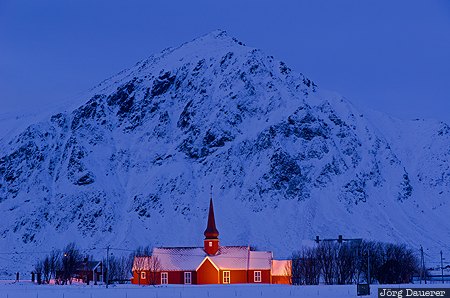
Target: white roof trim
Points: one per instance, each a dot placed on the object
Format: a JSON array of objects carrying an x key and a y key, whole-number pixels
[
  {"x": 98, "y": 264},
  {"x": 204, "y": 260}
]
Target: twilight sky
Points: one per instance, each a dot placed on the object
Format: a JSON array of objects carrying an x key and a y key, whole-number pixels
[{"x": 392, "y": 56}]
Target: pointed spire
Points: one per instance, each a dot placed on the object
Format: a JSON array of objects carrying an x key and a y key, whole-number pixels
[{"x": 211, "y": 231}]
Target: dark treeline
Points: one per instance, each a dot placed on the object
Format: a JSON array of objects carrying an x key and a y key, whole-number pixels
[
  {"x": 352, "y": 262},
  {"x": 62, "y": 266},
  {"x": 329, "y": 262},
  {"x": 121, "y": 267},
  {"x": 59, "y": 265}
]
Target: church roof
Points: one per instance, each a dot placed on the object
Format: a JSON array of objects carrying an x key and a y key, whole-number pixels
[
  {"x": 260, "y": 260},
  {"x": 228, "y": 257},
  {"x": 179, "y": 258}
]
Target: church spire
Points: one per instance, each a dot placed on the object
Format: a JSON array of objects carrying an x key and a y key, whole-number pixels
[
  {"x": 211, "y": 242},
  {"x": 211, "y": 231}
]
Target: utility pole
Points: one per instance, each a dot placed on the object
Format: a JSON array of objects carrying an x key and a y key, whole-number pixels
[
  {"x": 424, "y": 269},
  {"x": 368, "y": 267},
  {"x": 421, "y": 264},
  {"x": 103, "y": 274},
  {"x": 442, "y": 268},
  {"x": 107, "y": 266}
]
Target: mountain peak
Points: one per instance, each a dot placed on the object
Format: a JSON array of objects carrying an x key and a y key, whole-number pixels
[
  {"x": 217, "y": 35},
  {"x": 215, "y": 42}
]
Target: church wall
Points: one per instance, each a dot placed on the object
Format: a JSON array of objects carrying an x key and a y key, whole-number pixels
[{"x": 207, "y": 274}]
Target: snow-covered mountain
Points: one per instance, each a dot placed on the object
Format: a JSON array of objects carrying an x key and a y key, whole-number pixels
[{"x": 133, "y": 165}]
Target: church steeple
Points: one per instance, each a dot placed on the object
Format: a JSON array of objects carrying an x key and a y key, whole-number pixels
[
  {"x": 211, "y": 242},
  {"x": 211, "y": 231}
]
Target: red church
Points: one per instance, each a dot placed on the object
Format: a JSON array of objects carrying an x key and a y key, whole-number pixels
[{"x": 210, "y": 264}]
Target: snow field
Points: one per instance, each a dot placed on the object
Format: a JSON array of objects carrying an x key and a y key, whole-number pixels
[{"x": 218, "y": 291}]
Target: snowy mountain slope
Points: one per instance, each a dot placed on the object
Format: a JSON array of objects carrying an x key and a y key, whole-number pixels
[{"x": 133, "y": 165}]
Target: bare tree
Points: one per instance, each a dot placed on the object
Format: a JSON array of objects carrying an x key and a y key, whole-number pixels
[
  {"x": 143, "y": 251},
  {"x": 326, "y": 254},
  {"x": 297, "y": 277},
  {"x": 70, "y": 261},
  {"x": 118, "y": 269},
  {"x": 151, "y": 265},
  {"x": 312, "y": 267},
  {"x": 124, "y": 274},
  {"x": 46, "y": 270},
  {"x": 136, "y": 261},
  {"x": 113, "y": 268},
  {"x": 306, "y": 267},
  {"x": 370, "y": 253},
  {"x": 53, "y": 265},
  {"x": 398, "y": 266},
  {"x": 345, "y": 263},
  {"x": 140, "y": 265},
  {"x": 38, "y": 268},
  {"x": 154, "y": 267}
]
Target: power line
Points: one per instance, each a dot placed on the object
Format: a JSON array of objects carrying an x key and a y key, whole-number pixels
[
  {"x": 129, "y": 250},
  {"x": 24, "y": 252},
  {"x": 43, "y": 252}
]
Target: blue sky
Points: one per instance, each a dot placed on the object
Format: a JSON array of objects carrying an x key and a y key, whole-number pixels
[{"x": 392, "y": 56}]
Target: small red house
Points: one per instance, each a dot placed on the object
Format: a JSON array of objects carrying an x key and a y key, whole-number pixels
[
  {"x": 89, "y": 271},
  {"x": 210, "y": 264}
]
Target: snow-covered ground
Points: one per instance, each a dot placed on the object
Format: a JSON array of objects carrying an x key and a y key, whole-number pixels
[{"x": 24, "y": 290}]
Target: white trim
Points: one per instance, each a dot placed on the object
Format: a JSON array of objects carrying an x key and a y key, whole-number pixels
[
  {"x": 255, "y": 276},
  {"x": 143, "y": 275},
  {"x": 229, "y": 277},
  {"x": 98, "y": 264},
  {"x": 204, "y": 260},
  {"x": 166, "y": 279},
  {"x": 188, "y": 273}
]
